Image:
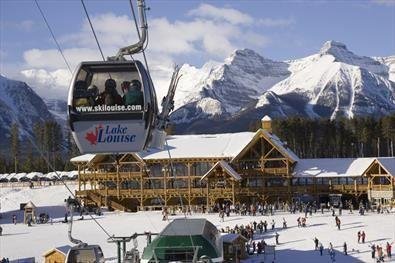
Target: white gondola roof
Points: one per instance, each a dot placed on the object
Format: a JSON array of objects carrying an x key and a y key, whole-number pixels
[{"x": 340, "y": 167}]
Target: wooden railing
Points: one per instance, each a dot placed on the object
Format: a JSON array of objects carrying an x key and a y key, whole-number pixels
[{"x": 382, "y": 187}]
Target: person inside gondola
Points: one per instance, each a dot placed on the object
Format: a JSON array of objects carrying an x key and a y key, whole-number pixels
[
  {"x": 93, "y": 93},
  {"x": 133, "y": 94},
  {"x": 110, "y": 95},
  {"x": 80, "y": 94}
]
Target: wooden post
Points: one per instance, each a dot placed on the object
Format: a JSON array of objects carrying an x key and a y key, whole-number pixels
[
  {"x": 207, "y": 193},
  {"x": 118, "y": 186},
  {"x": 233, "y": 192},
  {"x": 79, "y": 177},
  {"x": 141, "y": 189},
  {"x": 189, "y": 184},
  {"x": 164, "y": 184}
]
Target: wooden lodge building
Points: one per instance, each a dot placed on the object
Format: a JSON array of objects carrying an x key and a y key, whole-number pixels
[{"x": 235, "y": 167}]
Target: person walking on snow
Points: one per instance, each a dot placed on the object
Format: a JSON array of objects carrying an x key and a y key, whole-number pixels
[
  {"x": 363, "y": 235},
  {"x": 345, "y": 248},
  {"x": 359, "y": 236},
  {"x": 321, "y": 248},
  {"x": 316, "y": 243},
  {"x": 373, "y": 248},
  {"x": 277, "y": 235}
]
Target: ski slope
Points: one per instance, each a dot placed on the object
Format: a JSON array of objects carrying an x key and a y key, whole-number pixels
[{"x": 296, "y": 244}]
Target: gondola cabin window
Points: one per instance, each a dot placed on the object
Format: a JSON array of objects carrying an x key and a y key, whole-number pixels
[{"x": 99, "y": 88}]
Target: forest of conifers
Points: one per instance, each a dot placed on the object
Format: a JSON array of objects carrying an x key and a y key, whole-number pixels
[
  {"x": 341, "y": 138},
  {"x": 308, "y": 138}
]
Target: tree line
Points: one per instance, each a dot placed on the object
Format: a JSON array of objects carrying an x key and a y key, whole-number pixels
[
  {"x": 49, "y": 147},
  {"x": 340, "y": 138}
]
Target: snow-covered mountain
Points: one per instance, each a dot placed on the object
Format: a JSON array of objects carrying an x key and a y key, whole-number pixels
[
  {"x": 225, "y": 89},
  {"x": 19, "y": 104},
  {"x": 58, "y": 109},
  {"x": 332, "y": 83}
]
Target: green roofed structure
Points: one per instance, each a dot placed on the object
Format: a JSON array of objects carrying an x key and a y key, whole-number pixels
[{"x": 185, "y": 240}]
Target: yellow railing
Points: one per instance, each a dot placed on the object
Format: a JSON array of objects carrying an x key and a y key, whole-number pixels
[{"x": 382, "y": 187}]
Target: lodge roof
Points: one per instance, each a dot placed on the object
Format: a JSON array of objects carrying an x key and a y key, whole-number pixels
[
  {"x": 340, "y": 167},
  {"x": 226, "y": 167},
  {"x": 204, "y": 146}
]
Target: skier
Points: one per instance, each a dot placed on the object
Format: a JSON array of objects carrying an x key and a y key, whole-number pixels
[
  {"x": 277, "y": 235},
  {"x": 273, "y": 224},
  {"x": 359, "y": 236},
  {"x": 363, "y": 235}
]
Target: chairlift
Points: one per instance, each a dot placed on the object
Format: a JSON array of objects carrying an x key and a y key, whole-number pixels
[
  {"x": 86, "y": 254},
  {"x": 82, "y": 252},
  {"x": 112, "y": 106}
]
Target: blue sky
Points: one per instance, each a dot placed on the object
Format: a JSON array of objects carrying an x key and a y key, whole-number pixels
[{"x": 190, "y": 32}]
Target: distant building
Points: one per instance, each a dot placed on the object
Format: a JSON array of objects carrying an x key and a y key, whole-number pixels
[
  {"x": 234, "y": 167},
  {"x": 56, "y": 255}
]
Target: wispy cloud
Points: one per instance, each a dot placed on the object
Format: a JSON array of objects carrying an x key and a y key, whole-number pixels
[
  {"x": 208, "y": 31},
  {"x": 230, "y": 15},
  {"x": 270, "y": 22},
  {"x": 24, "y": 25},
  {"x": 384, "y": 2}
]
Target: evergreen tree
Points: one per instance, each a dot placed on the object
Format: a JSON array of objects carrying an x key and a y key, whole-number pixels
[{"x": 15, "y": 151}]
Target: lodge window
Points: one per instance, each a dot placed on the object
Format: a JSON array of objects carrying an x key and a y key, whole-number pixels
[
  {"x": 199, "y": 169},
  {"x": 129, "y": 168},
  {"x": 155, "y": 170},
  {"x": 180, "y": 169},
  {"x": 196, "y": 183},
  {"x": 275, "y": 182}
]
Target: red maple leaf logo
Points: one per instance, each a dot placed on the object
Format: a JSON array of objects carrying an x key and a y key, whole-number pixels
[{"x": 92, "y": 136}]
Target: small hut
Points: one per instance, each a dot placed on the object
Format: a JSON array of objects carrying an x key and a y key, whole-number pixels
[
  {"x": 29, "y": 212},
  {"x": 234, "y": 247},
  {"x": 57, "y": 254}
]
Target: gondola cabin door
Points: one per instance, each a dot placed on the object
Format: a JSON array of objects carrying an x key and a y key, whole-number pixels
[{"x": 111, "y": 107}]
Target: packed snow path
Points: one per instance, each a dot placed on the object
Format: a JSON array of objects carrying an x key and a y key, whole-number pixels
[{"x": 296, "y": 243}]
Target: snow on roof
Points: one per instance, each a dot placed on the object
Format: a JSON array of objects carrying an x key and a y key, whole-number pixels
[
  {"x": 388, "y": 163},
  {"x": 19, "y": 176},
  {"x": 189, "y": 226},
  {"x": 30, "y": 205},
  {"x": 266, "y": 118},
  {"x": 336, "y": 167},
  {"x": 281, "y": 146},
  {"x": 227, "y": 168},
  {"x": 201, "y": 146},
  {"x": 34, "y": 174},
  {"x": 85, "y": 158},
  {"x": 229, "y": 238}
]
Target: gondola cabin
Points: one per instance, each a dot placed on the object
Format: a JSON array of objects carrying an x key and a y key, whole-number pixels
[
  {"x": 111, "y": 107},
  {"x": 86, "y": 254}
]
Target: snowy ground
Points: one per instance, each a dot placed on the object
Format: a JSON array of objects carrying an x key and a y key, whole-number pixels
[{"x": 296, "y": 244}]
